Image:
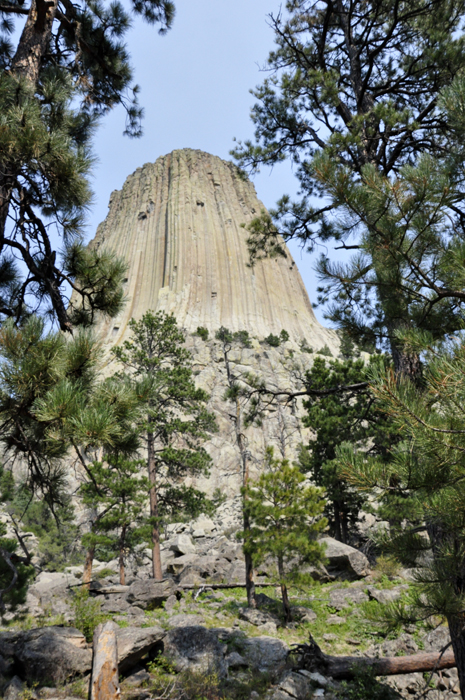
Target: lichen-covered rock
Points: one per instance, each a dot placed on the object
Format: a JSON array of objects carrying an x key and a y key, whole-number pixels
[
  {"x": 195, "y": 648},
  {"x": 149, "y": 594},
  {"x": 52, "y": 654},
  {"x": 345, "y": 559},
  {"x": 134, "y": 643}
]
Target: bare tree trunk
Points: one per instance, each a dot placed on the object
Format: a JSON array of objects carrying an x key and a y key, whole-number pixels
[
  {"x": 345, "y": 667},
  {"x": 337, "y": 522},
  {"x": 284, "y": 596},
  {"x": 122, "y": 571},
  {"x": 87, "y": 574},
  {"x": 104, "y": 684},
  {"x": 154, "y": 514},
  {"x": 457, "y": 635},
  {"x": 249, "y": 582}
]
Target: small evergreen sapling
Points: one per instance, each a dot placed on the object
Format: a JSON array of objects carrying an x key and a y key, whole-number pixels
[{"x": 285, "y": 520}]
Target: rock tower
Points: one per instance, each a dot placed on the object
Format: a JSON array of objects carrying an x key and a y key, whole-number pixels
[{"x": 178, "y": 223}]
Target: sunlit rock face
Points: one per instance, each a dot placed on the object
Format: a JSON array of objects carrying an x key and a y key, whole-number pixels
[{"x": 178, "y": 223}]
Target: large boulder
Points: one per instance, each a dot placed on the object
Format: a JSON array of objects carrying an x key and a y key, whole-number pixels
[
  {"x": 195, "y": 648},
  {"x": 345, "y": 560},
  {"x": 134, "y": 643},
  {"x": 265, "y": 654},
  {"x": 182, "y": 544},
  {"x": 150, "y": 594},
  {"x": 52, "y": 654}
]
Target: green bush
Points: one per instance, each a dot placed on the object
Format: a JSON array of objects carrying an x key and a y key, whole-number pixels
[
  {"x": 87, "y": 613},
  {"x": 325, "y": 351},
  {"x": 365, "y": 686},
  {"x": 202, "y": 332},
  {"x": 273, "y": 340}
]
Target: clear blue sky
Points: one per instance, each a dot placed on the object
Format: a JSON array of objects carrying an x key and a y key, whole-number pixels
[{"x": 195, "y": 84}]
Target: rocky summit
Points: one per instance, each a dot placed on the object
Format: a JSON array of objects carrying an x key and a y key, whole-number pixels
[{"x": 179, "y": 225}]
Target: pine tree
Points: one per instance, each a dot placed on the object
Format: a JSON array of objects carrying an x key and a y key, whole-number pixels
[
  {"x": 366, "y": 98},
  {"x": 174, "y": 420},
  {"x": 53, "y": 405},
  {"x": 69, "y": 67},
  {"x": 118, "y": 494},
  {"x": 285, "y": 520},
  {"x": 346, "y": 416},
  {"x": 234, "y": 394},
  {"x": 426, "y": 471}
]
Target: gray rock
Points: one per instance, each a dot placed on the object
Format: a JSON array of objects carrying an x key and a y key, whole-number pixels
[
  {"x": 335, "y": 620},
  {"x": 14, "y": 689},
  {"x": 195, "y": 648},
  {"x": 258, "y": 617},
  {"x": 150, "y": 594},
  {"x": 178, "y": 564},
  {"x": 236, "y": 572},
  {"x": 183, "y": 620},
  {"x": 437, "y": 639},
  {"x": 265, "y": 654},
  {"x": 235, "y": 660},
  {"x": 387, "y": 595},
  {"x": 52, "y": 653},
  {"x": 134, "y": 643},
  {"x": 341, "y": 598},
  {"x": 191, "y": 576},
  {"x": 303, "y": 614},
  {"x": 344, "y": 559},
  {"x": 295, "y": 685},
  {"x": 182, "y": 544},
  {"x": 170, "y": 602},
  {"x": 136, "y": 679}
]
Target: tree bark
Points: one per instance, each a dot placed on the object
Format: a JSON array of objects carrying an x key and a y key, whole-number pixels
[
  {"x": 104, "y": 683},
  {"x": 342, "y": 667},
  {"x": 87, "y": 574},
  {"x": 249, "y": 582},
  {"x": 122, "y": 571},
  {"x": 154, "y": 514},
  {"x": 457, "y": 635},
  {"x": 284, "y": 596}
]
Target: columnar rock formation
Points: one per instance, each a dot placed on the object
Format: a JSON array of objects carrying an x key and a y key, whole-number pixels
[{"x": 178, "y": 223}]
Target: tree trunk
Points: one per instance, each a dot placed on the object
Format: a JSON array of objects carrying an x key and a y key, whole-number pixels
[
  {"x": 26, "y": 64},
  {"x": 154, "y": 514},
  {"x": 104, "y": 683},
  {"x": 284, "y": 596},
  {"x": 122, "y": 572},
  {"x": 249, "y": 582},
  {"x": 87, "y": 574},
  {"x": 457, "y": 635},
  {"x": 342, "y": 667},
  {"x": 337, "y": 522}
]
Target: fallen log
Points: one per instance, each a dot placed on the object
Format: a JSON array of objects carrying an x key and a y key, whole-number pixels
[
  {"x": 312, "y": 658},
  {"x": 104, "y": 683}
]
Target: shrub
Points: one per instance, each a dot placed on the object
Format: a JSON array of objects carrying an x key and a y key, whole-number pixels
[
  {"x": 273, "y": 340},
  {"x": 325, "y": 351},
  {"x": 87, "y": 613},
  {"x": 202, "y": 332},
  {"x": 387, "y": 566}
]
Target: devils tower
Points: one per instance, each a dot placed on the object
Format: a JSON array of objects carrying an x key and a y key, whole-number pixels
[{"x": 179, "y": 225}]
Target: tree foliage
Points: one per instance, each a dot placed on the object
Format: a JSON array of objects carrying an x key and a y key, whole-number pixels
[
  {"x": 366, "y": 99},
  {"x": 174, "y": 420},
  {"x": 118, "y": 493},
  {"x": 427, "y": 472},
  {"x": 69, "y": 67},
  {"x": 350, "y": 415},
  {"x": 285, "y": 521}
]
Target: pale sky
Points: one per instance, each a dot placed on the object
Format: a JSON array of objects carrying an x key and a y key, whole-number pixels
[{"x": 195, "y": 84}]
